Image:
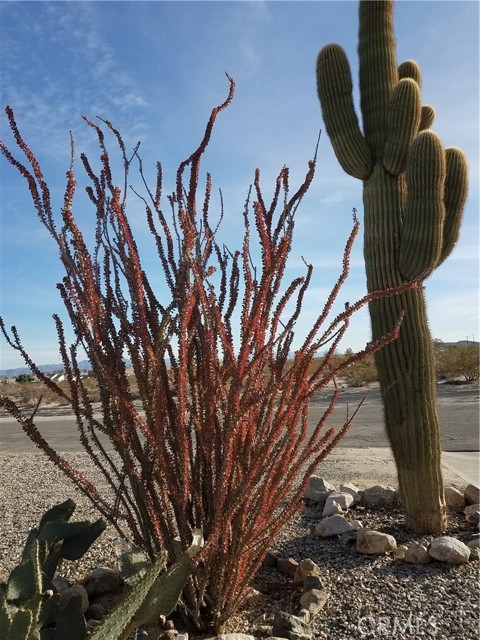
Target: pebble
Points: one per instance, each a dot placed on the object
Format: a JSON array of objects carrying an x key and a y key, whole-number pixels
[{"x": 382, "y": 587}]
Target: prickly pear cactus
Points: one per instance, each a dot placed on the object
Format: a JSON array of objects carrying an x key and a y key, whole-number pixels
[
  {"x": 414, "y": 195},
  {"x": 152, "y": 595},
  {"x": 29, "y": 607}
]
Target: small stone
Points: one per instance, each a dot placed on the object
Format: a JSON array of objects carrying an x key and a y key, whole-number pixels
[
  {"x": 349, "y": 539},
  {"x": 92, "y": 624},
  {"x": 474, "y": 544},
  {"x": 305, "y": 615},
  {"x": 287, "y": 566},
  {"x": 234, "y": 636},
  {"x": 318, "y": 489},
  {"x": 378, "y": 496},
  {"x": 314, "y": 600},
  {"x": 356, "y": 524},
  {"x": 474, "y": 555},
  {"x": 313, "y": 582},
  {"x": 348, "y": 487},
  {"x": 101, "y": 580},
  {"x": 450, "y": 550},
  {"x": 95, "y": 612},
  {"x": 77, "y": 591},
  {"x": 399, "y": 552},
  {"x": 287, "y": 626},
  {"x": 472, "y": 494},
  {"x": 168, "y": 625},
  {"x": 110, "y": 600},
  {"x": 470, "y": 509},
  {"x": 270, "y": 559},
  {"x": 417, "y": 553},
  {"x": 373, "y": 542},
  {"x": 182, "y": 636},
  {"x": 333, "y": 526},
  {"x": 474, "y": 518},
  {"x": 60, "y": 583},
  {"x": 454, "y": 498},
  {"x": 306, "y": 567},
  {"x": 331, "y": 508}
]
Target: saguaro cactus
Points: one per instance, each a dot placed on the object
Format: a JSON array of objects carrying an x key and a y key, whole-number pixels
[{"x": 414, "y": 195}]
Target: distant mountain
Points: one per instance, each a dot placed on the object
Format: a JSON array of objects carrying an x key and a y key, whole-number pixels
[{"x": 44, "y": 368}]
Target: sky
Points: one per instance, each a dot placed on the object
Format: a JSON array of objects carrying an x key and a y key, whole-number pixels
[{"x": 156, "y": 69}]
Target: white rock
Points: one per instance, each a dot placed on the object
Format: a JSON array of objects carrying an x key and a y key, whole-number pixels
[
  {"x": 379, "y": 495},
  {"x": 448, "y": 549},
  {"x": 417, "y": 553},
  {"x": 333, "y": 526},
  {"x": 454, "y": 498},
  {"x": 344, "y": 500},
  {"x": 331, "y": 508},
  {"x": 472, "y": 494},
  {"x": 372, "y": 542},
  {"x": 348, "y": 487},
  {"x": 318, "y": 489}
]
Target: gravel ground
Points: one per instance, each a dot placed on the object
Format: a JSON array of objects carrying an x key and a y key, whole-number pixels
[{"x": 370, "y": 597}]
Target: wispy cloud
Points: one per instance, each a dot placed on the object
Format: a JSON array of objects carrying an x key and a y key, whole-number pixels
[{"x": 90, "y": 76}]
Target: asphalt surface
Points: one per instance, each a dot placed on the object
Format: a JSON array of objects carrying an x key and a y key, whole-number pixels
[{"x": 457, "y": 405}]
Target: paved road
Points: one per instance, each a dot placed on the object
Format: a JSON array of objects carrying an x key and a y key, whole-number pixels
[{"x": 458, "y": 408}]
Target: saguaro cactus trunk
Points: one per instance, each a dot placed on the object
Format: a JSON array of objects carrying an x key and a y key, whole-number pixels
[{"x": 414, "y": 195}]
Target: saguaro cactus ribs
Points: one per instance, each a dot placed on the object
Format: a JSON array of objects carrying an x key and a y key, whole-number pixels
[{"x": 414, "y": 195}]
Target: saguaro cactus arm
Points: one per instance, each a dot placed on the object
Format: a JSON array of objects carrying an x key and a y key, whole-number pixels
[
  {"x": 456, "y": 190},
  {"x": 422, "y": 233},
  {"x": 334, "y": 83},
  {"x": 403, "y": 121}
]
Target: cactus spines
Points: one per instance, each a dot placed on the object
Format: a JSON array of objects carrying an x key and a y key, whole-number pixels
[
  {"x": 456, "y": 190},
  {"x": 428, "y": 116},
  {"x": 29, "y": 608},
  {"x": 403, "y": 120},
  {"x": 334, "y": 81},
  {"x": 414, "y": 195},
  {"x": 410, "y": 69}
]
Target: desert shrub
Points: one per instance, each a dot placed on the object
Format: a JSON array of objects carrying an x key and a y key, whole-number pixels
[
  {"x": 24, "y": 377},
  {"x": 33, "y": 393},
  {"x": 220, "y": 437},
  {"x": 360, "y": 373},
  {"x": 458, "y": 361}
]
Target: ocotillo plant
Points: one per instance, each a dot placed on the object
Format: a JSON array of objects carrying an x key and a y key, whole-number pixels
[
  {"x": 219, "y": 436},
  {"x": 414, "y": 195}
]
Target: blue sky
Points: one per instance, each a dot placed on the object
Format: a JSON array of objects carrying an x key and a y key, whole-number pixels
[{"x": 155, "y": 69}]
